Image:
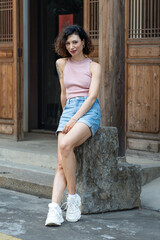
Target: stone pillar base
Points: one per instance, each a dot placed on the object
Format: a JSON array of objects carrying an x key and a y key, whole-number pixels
[{"x": 103, "y": 183}]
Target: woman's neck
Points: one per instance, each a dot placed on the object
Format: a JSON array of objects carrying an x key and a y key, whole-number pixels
[{"x": 78, "y": 58}]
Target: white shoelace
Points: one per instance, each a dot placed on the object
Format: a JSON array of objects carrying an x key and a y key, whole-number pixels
[
  {"x": 64, "y": 208},
  {"x": 70, "y": 205},
  {"x": 53, "y": 210}
]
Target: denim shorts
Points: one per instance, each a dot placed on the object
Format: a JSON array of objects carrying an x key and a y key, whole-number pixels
[{"x": 92, "y": 118}]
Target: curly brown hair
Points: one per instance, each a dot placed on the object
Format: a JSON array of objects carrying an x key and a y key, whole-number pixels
[{"x": 60, "y": 43}]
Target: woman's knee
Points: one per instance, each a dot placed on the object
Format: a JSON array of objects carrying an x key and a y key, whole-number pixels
[{"x": 65, "y": 147}]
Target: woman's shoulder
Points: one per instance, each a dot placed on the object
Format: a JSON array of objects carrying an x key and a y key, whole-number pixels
[
  {"x": 94, "y": 66},
  {"x": 61, "y": 62}
]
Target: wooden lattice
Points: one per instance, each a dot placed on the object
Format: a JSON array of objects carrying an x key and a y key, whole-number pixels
[
  {"x": 144, "y": 18},
  {"x": 94, "y": 19},
  {"x": 6, "y": 21}
]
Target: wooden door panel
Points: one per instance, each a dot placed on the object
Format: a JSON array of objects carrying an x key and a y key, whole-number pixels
[
  {"x": 143, "y": 98},
  {"x": 6, "y": 129},
  {"x": 6, "y": 53},
  {"x": 142, "y": 74},
  {"x": 10, "y": 68},
  {"x": 146, "y": 51},
  {"x": 6, "y": 83}
]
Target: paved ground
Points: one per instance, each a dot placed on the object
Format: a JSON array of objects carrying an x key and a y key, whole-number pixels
[
  {"x": 22, "y": 216},
  {"x": 29, "y": 166}
]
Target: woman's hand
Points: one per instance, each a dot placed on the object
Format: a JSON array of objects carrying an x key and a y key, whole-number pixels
[{"x": 69, "y": 125}]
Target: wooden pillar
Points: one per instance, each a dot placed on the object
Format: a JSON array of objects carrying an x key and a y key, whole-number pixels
[{"x": 112, "y": 60}]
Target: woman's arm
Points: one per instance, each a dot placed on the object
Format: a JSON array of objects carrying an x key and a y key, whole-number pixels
[
  {"x": 95, "y": 69},
  {"x": 60, "y": 64}
]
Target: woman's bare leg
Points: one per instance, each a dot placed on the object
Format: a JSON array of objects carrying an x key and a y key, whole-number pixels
[
  {"x": 59, "y": 183},
  {"x": 75, "y": 137}
]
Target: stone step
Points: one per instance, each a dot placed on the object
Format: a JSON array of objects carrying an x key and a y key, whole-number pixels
[
  {"x": 27, "y": 179},
  {"x": 150, "y": 166},
  {"x": 37, "y": 154},
  {"x": 149, "y": 174},
  {"x": 36, "y": 149}
]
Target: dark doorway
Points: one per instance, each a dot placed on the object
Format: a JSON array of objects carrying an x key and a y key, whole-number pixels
[{"x": 49, "y": 107}]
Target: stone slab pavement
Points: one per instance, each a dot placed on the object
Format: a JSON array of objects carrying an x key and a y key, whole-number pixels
[{"x": 22, "y": 216}]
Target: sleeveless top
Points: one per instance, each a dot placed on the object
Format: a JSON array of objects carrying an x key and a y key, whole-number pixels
[{"x": 77, "y": 78}]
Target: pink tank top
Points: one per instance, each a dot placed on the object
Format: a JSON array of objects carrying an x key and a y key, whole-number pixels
[{"x": 77, "y": 78}]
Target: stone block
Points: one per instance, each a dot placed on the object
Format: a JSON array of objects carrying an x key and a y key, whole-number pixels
[
  {"x": 126, "y": 188},
  {"x": 103, "y": 183}
]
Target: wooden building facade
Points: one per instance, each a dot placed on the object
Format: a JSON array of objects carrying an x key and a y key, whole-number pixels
[
  {"x": 142, "y": 75},
  {"x": 126, "y": 36}
]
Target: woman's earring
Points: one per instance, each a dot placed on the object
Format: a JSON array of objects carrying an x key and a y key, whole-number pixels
[{"x": 84, "y": 46}]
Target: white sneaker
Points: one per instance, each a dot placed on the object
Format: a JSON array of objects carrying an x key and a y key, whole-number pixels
[
  {"x": 54, "y": 216},
  {"x": 73, "y": 213}
]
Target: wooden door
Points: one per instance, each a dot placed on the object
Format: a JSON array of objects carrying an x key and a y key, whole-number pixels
[
  {"x": 11, "y": 88},
  {"x": 142, "y": 74},
  {"x": 91, "y": 24}
]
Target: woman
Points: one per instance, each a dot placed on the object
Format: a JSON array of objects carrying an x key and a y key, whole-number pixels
[{"x": 79, "y": 80}]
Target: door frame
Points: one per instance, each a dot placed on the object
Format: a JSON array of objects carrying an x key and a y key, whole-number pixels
[{"x": 26, "y": 60}]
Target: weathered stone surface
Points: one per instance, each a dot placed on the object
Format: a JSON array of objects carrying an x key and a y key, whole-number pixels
[
  {"x": 102, "y": 182},
  {"x": 126, "y": 187}
]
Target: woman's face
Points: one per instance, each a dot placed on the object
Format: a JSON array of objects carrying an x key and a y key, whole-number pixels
[{"x": 74, "y": 45}]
